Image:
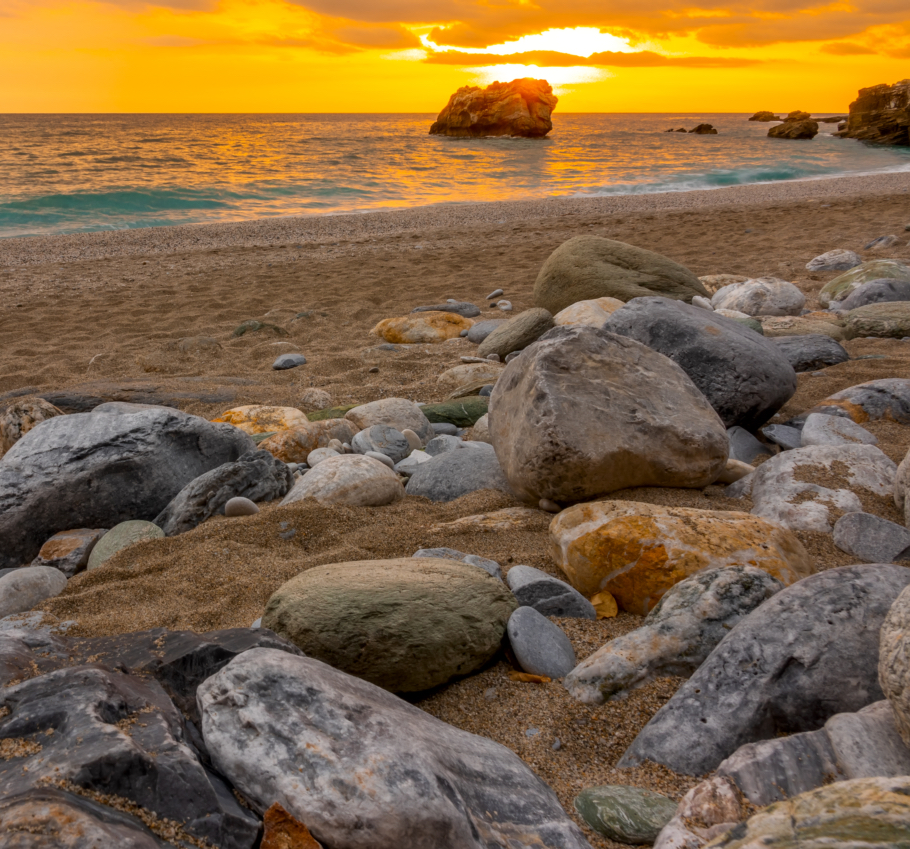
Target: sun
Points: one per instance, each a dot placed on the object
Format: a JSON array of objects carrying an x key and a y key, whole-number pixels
[{"x": 578, "y": 41}]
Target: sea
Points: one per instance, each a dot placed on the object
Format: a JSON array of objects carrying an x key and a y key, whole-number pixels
[{"x": 85, "y": 173}]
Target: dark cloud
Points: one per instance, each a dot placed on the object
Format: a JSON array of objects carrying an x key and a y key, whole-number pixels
[
  {"x": 846, "y": 48},
  {"x": 385, "y": 37},
  {"x": 553, "y": 58}
]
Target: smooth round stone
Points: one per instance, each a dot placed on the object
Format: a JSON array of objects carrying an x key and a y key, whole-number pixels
[
  {"x": 317, "y": 455},
  {"x": 385, "y": 460},
  {"x": 286, "y": 361},
  {"x": 493, "y": 358},
  {"x": 122, "y": 536},
  {"x": 412, "y": 438},
  {"x": 445, "y": 428},
  {"x": 486, "y": 391},
  {"x": 625, "y": 814},
  {"x": 336, "y": 445},
  {"x": 497, "y": 292},
  {"x": 704, "y": 303},
  {"x": 240, "y": 506},
  {"x": 21, "y": 589},
  {"x": 540, "y": 646},
  {"x": 820, "y": 429},
  {"x": 382, "y": 439},
  {"x": 482, "y": 329},
  {"x": 548, "y": 506},
  {"x": 511, "y": 356}
]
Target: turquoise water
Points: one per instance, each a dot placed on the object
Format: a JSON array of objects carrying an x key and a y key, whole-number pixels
[{"x": 82, "y": 173}]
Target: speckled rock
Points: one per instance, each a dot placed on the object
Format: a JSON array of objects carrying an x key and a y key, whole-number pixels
[
  {"x": 901, "y": 488},
  {"x": 69, "y": 551},
  {"x": 639, "y": 551},
  {"x": 517, "y": 333},
  {"x": 422, "y": 327},
  {"x": 761, "y": 296},
  {"x": 352, "y": 480},
  {"x": 593, "y": 312},
  {"x": 820, "y": 429},
  {"x": 871, "y": 538},
  {"x": 890, "y": 320},
  {"x": 295, "y": 444},
  {"x": 845, "y": 284},
  {"x": 20, "y": 417},
  {"x": 122, "y": 536},
  {"x": 256, "y": 418},
  {"x": 836, "y": 260},
  {"x": 382, "y": 439},
  {"x": 399, "y": 413},
  {"x": 710, "y": 808},
  {"x": 894, "y": 662},
  {"x": 876, "y": 292},
  {"x": 22, "y": 589},
  {"x": 468, "y": 373},
  {"x": 886, "y": 399},
  {"x": 405, "y": 625},
  {"x": 625, "y": 814}
]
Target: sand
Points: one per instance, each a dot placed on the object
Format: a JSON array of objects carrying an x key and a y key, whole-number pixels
[{"x": 105, "y": 307}]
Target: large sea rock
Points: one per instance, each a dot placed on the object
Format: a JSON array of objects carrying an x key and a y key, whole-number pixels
[
  {"x": 880, "y": 115},
  {"x": 364, "y": 769},
  {"x": 94, "y": 470},
  {"x": 746, "y": 377},
  {"x": 582, "y": 413},
  {"x": 589, "y": 267},
  {"x": 520, "y": 108}
]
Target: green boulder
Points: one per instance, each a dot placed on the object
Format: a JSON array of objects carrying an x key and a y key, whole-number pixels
[
  {"x": 878, "y": 269},
  {"x": 122, "y": 536},
  {"x": 330, "y": 413},
  {"x": 462, "y": 412},
  {"x": 625, "y": 814}
]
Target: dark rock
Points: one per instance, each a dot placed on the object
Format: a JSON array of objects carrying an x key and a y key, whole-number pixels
[
  {"x": 876, "y": 292},
  {"x": 786, "y": 437},
  {"x": 807, "y": 653},
  {"x": 880, "y": 115},
  {"x": 456, "y": 473},
  {"x": 548, "y": 595},
  {"x": 704, "y": 130},
  {"x": 744, "y": 446},
  {"x": 888, "y": 399},
  {"x": 806, "y": 129},
  {"x": 287, "y": 361},
  {"x": 482, "y": 329},
  {"x": 798, "y": 115},
  {"x": 460, "y": 412},
  {"x": 872, "y": 538},
  {"x": 765, "y": 117},
  {"x": 461, "y": 308},
  {"x": 257, "y": 476},
  {"x": 811, "y": 352},
  {"x": 744, "y": 376}
]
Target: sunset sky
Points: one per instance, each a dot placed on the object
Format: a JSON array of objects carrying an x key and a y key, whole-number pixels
[{"x": 409, "y": 55}]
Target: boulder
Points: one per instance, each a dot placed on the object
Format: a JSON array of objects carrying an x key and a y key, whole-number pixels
[
  {"x": 876, "y": 292},
  {"x": 548, "y": 595},
  {"x": 782, "y": 492},
  {"x": 887, "y": 399},
  {"x": 96, "y": 469},
  {"x": 808, "y": 652},
  {"x": 894, "y": 662},
  {"x": 462, "y": 308},
  {"x": 890, "y": 320},
  {"x": 592, "y": 312},
  {"x": 638, "y": 551},
  {"x": 880, "y": 115},
  {"x": 520, "y": 108},
  {"x": 590, "y": 267},
  {"x": 676, "y": 637},
  {"x": 257, "y": 418},
  {"x": 383, "y": 440},
  {"x": 803, "y": 326},
  {"x": 704, "y": 130},
  {"x": 399, "y": 413},
  {"x": 340, "y": 754},
  {"x": 122, "y": 536},
  {"x": 406, "y": 625},
  {"x": 819, "y": 429},
  {"x": 455, "y": 473},
  {"x": 20, "y": 417},
  {"x": 812, "y": 352},
  {"x": 710, "y": 808},
  {"x": 481, "y": 329},
  {"x": 759, "y": 297},
  {"x": 69, "y": 551},
  {"x": 21, "y": 589},
  {"x": 295, "y": 444},
  {"x": 836, "y": 260},
  {"x": 349, "y": 480},
  {"x": 625, "y": 814},
  {"x": 765, "y": 116},
  {"x": 794, "y": 130},
  {"x": 540, "y": 646},
  {"x": 461, "y": 412},
  {"x": 745, "y": 377},
  {"x": 257, "y": 476},
  {"x": 425, "y": 327},
  {"x": 842, "y": 286},
  {"x": 582, "y": 413},
  {"x": 468, "y": 373},
  {"x": 517, "y": 333}
]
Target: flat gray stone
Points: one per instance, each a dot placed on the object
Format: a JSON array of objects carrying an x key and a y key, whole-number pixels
[
  {"x": 820, "y": 429},
  {"x": 286, "y": 361},
  {"x": 871, "y": 538},
  {"x": 462, "y": 308},
  {"x": 876, "y": 292},
  {"x": 786, "y": 437},
  {"x": 489, "y": 566},
  {"x": 482, "y": 329},
  {"x": 541, "y": 647},
  {"x": 456, "y": 473},
  {"x": 382, "y": 439},
  {"x": 811, "y": 352},
  {"x": 444, "y": 429},
  {"x": 744, "y": 446},
  {"x": 548, "y": 595},
  {"x": 21, "y": 589},
  {"x": 442, "y": 443},
  {"x": 836, "y": 260}
]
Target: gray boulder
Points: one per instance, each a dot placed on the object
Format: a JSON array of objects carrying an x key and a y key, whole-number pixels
[
  {"x": 807, "y": 653},
  {"x": 887, "y": 398},
  {"x": 257, "y": 476},
  {"x": 462, "y": 308},
  {"x": 819, "y": 429},
  {"x": 589, "y": 267},
  {"x": 745, "y": 376},
  {"x": 836, "y": 260},
  {"x": 845, "y": 284},
  {"x": 548, "y": 595},
  {"x": 443, "y": 443},
  {"x": 677, "y": 636},
  {"x": 761, "y": 296},
  {"x": 744, "y": 446},
  {"x": 540, "y": 646},
  {"x": 893, "y": 668},
  {"x": 94, "y": 470},
  {"x": 876, "y": 292},
  {"x": 871, "y": 538},
  {"x": 455, "y": 473},
  {"x": 383, "y": 440},
  {"x": 21, "y": 589},
  {"x": 517, "y": 333},
  {"x": 481, "y": 329},
  {"x": 811, "y": 352},
  {"x": 340, "y": 754}
]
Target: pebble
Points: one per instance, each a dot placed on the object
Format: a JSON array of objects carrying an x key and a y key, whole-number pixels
[
  {"x": 548, "y": 506},
  {"x": 541, "y": 647},
  {"x": 374, "y": 370},
  {"x": 489, "y": 694},
  {"x": 704, "y": 303},
  {"x": 486, "y": 391},
  {"x": 317, "y": 455},
  {"x": 346, "y": 448},
  {"x": 386, "y": 461},
  {"x": 442, "y": 443},
  {"x": 336, "y": 445},
  {"x": 505, "y": 306},
  {"x": 512, "y": 356},
  {"x": 464, "y": 333},
  {"x": 286, "y": 361},
  {"x": 787, "y": 438},
  {"x": 557, "y": 745},
  {"x": 240, "y": 506},
  {"x": 496, "y": 293},
  {"x": 493, "y": 358},
  {"x": 445, "y": 428},
  {"x": 744, "y": 446},
  {"x": 256, "y": 625},
  {"x": 412, "y": 438},
  {"x": 548, "y": 595},
  {"x": 288, "y": 534}
]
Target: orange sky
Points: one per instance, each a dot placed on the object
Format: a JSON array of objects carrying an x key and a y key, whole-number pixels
[{"x": 409, "y": 55}]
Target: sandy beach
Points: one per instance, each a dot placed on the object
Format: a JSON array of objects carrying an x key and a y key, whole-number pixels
[{"x": 84, "y": 310}]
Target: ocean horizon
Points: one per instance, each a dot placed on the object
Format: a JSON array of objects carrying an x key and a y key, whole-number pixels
[{"x": 89, "y": 173}]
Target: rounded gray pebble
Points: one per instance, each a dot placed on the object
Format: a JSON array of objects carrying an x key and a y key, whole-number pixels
[
  {"x": 540, "y": 646},
  {"x": 240, "y": 506}
]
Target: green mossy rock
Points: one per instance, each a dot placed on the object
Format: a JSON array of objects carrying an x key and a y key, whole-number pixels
[
  {"x": 463, "y": 412},
  {"x": 406, "y": 625},
  {"x": 878, "y": 269},
  {"x": 625, "y": 814},
  {"x": 886, "y": 321},
  {"x": 122, "y": 536},
  {"x": 253, "y": 326},
  {"x": 330, "y": 413}
]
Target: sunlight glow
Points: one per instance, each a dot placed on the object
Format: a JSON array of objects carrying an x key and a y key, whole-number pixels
[
  {"x": 559, "y": 78},
  {"x": 579, "y": 41}
]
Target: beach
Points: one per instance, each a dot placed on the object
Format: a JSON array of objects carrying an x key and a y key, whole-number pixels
[{"x": 93, "y": 310}]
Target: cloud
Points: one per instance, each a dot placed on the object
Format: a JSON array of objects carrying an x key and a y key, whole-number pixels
[
  {"x": 846, "y": 48},
  {"x": 384, "y": 37},
  {"x": 555, "y": 59}
]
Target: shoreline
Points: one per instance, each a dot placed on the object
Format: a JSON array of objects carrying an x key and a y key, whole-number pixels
[{"x": 365, "y": 225}]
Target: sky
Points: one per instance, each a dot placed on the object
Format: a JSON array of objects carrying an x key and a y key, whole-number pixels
[{"x": 410, "y": 55}]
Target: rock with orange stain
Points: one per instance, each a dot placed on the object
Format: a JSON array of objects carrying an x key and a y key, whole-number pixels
[
  {"x": 257, "y": 418},
  {"x": 422, "y": 327},
  {"x": 20, "y": 417},
  {"x": 639, "y": 551},
  {"x": 295, "y": 444},
  {"x": 593, "y": 312},
  {"x": 887, "y": 399},
  {"x": 69, "y": 551},
  {"x": 282, "y": 831},
  {"x": 677, "y": 635}
]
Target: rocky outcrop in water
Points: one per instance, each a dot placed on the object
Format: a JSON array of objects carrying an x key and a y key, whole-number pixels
[
  {"x": 764, "y": 116},
  {"x": 799, "y": 129},
  {"x": 881, "y": 115},
  {"x": 519, "y": 108}
]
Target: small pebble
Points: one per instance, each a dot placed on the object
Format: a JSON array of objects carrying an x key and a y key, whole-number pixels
[
  {"x": 336, "y": 445},
  {"x": 548, "y": 506},
  {"x": 289, "y": 534},
  {"x": 498, "y": 292},
  {"x": 292, "y": 466},
  {"x": 283, "y": 526},
  {"x": 512, "y": 356},
  {"x": 374, "y": 370},
  {"x": 473, "y": 360},
  {"x": 505, "y": 306},
  {"x": 489, "y": 694},
  {"x": 451, "y": 301},
  {"x": 347, "y": 448},
  {"x": 463, "y": 333},
  {"x": 240, "y": 506},
  {"x": 386, "y": 461},
  {"x": 486, "y": 391},
  {"x": 532, "y": 732},
  {"x": 493, "y": 358},
  {"x": 257, "y": 624},
  {"x": 286, "y": 361},
  {"x": 557, "y": 745}
]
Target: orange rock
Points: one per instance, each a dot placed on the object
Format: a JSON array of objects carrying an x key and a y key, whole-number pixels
[
  {"x": 422, "y": 327},
  {"x": 637, "y": 551},
  {"x": 282, "y": 831},
  {"x": 260, "y": 419},
  {"x": 529, "y": 678},
  {"x": 294, "y": 445},
  {"x": 605, "y": 605}
]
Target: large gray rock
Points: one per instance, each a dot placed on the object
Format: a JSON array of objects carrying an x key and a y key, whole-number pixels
[
  {"x": 383, "y": 440},
  {"x": 517, "y": 333},
  {"x": 807, "y": 653},
  {"x": 491, "y": 567},
  {"x": 399, "y": 413},
  {"x": 876, "y": 292},
  {"x": 548, "y": 595},
  {"x": 781, "y": 490},
  {"x": 887, "y": 398},
  {"x": 583, "y": 412},
  {"x": 811, "y": 352},
  {"x": 746, "y": 377},
  {"x": 894, "y": 662},
  {"x": 406, "y": 625},
  {"x": 677, "y": 636},
  {"x": 540, "y": 646},
  {"x": 481, "y": 329},
  {"x": 819, "y": 429},
  {"x": 94, "y": 470},
  {"x": 455, "y": 473},
  {"x": 352, "y": 480},
  {"x": 257, "y": 476},
  {"x": 761, "y": 296},
  {"x": 588, "y": 267},
  {"x": 21, "y": 589},
  {"x": 872, "y": 538},
  {"x": 364, "y": 769}
]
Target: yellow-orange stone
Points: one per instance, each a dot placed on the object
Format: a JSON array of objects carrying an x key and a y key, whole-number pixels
[
  {"x": 295, "y": 444},
  {"x": 422, "y": 327},
  {"x": 638, "y": 551},
  {"x": 261, "y": 419}
]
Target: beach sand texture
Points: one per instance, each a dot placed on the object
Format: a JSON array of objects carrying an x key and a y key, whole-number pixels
[{"x": 105, "y": 307}]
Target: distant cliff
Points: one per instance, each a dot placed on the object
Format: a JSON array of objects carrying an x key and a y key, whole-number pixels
[
  {"x": 519, "y": 108},
  {"x": 881, "y": 115}
]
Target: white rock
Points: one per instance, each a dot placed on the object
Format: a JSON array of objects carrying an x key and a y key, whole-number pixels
[
  {"x": 836, "y": 260},
  {"x": 318, "y": 455},
  {"x": 704, "y": 303},
  {"x": 761, "y": 296},
  {"x": 593, "y": 312},
  {"x": 820, "y": 429},
  {"x": 354, "y": 481}
]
